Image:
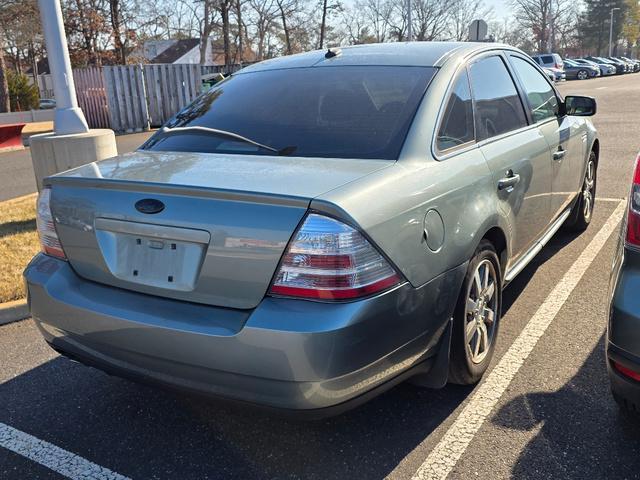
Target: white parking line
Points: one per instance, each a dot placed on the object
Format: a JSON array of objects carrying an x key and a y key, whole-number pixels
[
  {"x": 447, "y": 452},
  {"x": 607, "y": 199},
  {"x": 601, "y": 88},
  {"x": 54, "y": 458}
]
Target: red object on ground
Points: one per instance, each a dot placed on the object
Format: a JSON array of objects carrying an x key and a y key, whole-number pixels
[{"x": 11, "y": 137}]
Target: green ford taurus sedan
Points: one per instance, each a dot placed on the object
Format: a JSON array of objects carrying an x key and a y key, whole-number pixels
[{"x": 317, "y": 228}]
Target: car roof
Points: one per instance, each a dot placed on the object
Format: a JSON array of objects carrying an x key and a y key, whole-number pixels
[{"x": 419, "y": 54}]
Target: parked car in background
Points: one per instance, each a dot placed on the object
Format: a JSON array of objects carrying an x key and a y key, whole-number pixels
[
  {"x": 306, "y": 240},
  {"x": 628, "y": 67},
  {"x": 623, "y": 331},
  {"x": 559, "y": 75},
  {"x": 47, "y": 103},
  {"x": 553, "y": 62},
  {"x": 576, "y": 71},
  {"x": 550, "y": 73},
  {"x": 549, "y": 60},
  {"x": 619, "y": 66},
  {"x": 605, "y": 68},
  {"x": 635, "y": 63}
]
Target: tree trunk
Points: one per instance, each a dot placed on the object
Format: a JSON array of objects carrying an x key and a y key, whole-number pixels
[
  {"x": 206, "y": 32},
  {"x": 323, "y": 24},
  {"x": 224, "y": 10},
  {"x": 287, "y": 38},
  {"x": 4, "y": 86},
  {"x": 34, "y": 63},
  {"x": 117, "y": 31},
  {"x": 240, "y": 33},
  {"x": 86, "y": 33}
]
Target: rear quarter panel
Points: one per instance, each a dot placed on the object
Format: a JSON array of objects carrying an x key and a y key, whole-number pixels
[{"x": 390, "y": 205}]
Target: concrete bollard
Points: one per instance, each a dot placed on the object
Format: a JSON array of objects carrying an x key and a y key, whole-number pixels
[{"x": 52, "y": 153}]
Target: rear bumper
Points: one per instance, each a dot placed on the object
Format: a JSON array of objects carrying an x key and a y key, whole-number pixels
[
  {"x": 288, "y": 354},
  {"x": 622, "y": 386},
  {"x": 623, "y": 330}
]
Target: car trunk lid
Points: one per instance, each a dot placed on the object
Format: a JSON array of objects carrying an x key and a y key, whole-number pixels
[{"x": 218, "y": 238}]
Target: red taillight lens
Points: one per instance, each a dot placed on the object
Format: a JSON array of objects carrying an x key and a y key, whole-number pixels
[
  {"x": 633, "y": 217},
  {"x": 49, "y": 240},
  {"x": 627, "y": 372},
  {"x": 332, "y": 261}
]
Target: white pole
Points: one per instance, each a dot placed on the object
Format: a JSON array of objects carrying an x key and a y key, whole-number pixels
[
  {"x": 409, "y": 23},
  {"x": 611, "y": 31},
  {"x": 68, "y": 117}
]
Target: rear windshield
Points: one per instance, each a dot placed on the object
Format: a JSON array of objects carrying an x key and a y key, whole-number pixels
[{"x": 343, "y": 112}]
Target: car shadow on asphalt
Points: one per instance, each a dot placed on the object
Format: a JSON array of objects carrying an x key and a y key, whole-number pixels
[
  {"x": 583, "y": 434},
  {"x": 559, "y": 241},
  {"x": 144, "y": 432}
]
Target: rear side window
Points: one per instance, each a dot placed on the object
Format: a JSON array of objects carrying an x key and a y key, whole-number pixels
[
  {"x": 456, "y": 127},
  {"x": 547, "y": 59},
  {"x": 498, "y": 106},
  {"x": 541, "y": 97}
]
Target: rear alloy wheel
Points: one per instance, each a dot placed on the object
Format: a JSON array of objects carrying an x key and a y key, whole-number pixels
[
  {"x": 583, "y": 74},
  {"x": 477, "y": 315},
  {"x": 582, "y": 211}
]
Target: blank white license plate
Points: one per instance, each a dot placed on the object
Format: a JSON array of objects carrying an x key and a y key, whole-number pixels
[{"x": 157, "y": 256}]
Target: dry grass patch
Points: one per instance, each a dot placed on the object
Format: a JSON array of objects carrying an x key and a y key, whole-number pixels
[{"x": 18, "y": 243}]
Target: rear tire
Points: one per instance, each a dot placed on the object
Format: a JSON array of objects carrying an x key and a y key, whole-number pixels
[
  {"x": 476, "y": 317},
  {"x": 582, "y": 211}
]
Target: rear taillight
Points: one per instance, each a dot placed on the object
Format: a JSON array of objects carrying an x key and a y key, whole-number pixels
[
  {"x": 49, "y": 240},
  {"x": 327, "y": 259},
  {"x": 633, "y": 217},
  {"x": 627, "y": 372}
]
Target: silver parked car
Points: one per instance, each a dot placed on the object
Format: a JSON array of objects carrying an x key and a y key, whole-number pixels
[{"x": 317, "y": 228}]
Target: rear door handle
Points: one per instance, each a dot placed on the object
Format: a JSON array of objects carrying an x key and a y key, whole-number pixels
[
  {"x": 507, "y": 183},
  {"x": 559, "y": 155}
]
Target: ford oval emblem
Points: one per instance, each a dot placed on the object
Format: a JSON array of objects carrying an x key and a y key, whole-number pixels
[{"x": 149, "y": 205}]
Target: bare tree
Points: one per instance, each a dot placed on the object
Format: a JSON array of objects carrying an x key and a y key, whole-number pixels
[
  {"x": 207, "y": 27},
  {"x": 224, "y": 6},
  {"x": 4, "y": 86},
  {"x": 241, "y": 31},
  {"x": 462, "y": 13},
  {"x": 327, "y": 8},
  {"x": 264, "y": 12},
  {"x": 287, "y": 8},
  {"x": 118, "y": 33},
  {"x": 542, "y": 18},
  {"x": 430, "y": 19}
]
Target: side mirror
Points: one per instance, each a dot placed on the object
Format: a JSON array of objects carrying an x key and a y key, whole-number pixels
[{"x": 579, "y": 106}]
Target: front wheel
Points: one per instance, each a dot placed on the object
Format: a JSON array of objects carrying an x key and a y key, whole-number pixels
[
  {"x": 476, "y": 318},
  {"x": 583, "y": 75},
  {"x": 582, "y": 211}
]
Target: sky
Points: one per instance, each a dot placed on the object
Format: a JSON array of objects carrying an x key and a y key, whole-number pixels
[{"x": 500, "y": 7}]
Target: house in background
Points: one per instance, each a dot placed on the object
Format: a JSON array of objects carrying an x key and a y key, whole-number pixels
[{"x": 188, "y": 51}]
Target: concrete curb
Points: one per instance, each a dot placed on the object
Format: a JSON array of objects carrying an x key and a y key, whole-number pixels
[{"x": 13, "y": 311}]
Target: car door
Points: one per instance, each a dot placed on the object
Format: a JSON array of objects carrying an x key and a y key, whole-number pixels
[
  {"x": 516, "y": 152},
  {"x": 560, "y": 131}
]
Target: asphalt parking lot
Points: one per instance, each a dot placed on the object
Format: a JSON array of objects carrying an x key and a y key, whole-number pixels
[{"x": 543, "y": 411}]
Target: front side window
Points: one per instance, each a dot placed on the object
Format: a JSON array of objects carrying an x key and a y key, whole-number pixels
[
  {"x": 542, "y": 99},
  {"x": 456, "y": 127},
  {"x": 333, "y": 112},
  {"x": 498, "y": 106}
]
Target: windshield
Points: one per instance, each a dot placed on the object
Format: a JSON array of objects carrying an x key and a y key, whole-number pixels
[{"x": 341, "y": 112}]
